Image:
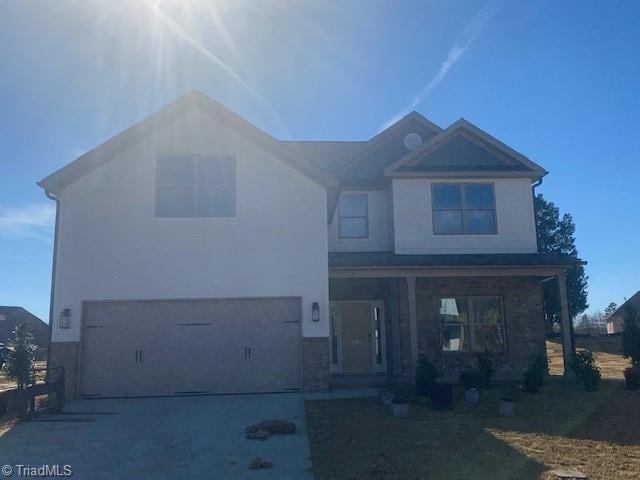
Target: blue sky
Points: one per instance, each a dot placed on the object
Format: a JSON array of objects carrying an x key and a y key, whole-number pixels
[{"x": 558, "y": 81}]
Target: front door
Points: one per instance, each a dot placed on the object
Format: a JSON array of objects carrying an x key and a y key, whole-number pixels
[{"x": 358, "y": 337}]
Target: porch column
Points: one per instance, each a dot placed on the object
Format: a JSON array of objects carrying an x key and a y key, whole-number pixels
[
  {"x": 568, "y": 348},
  {"x": 413, "y": 325}
]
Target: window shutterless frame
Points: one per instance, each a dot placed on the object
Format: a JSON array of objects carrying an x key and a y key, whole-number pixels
[
  {"x": 199, "y": 191},
  {"x": 471, "y": 323},
  {"x": 364, "y": 216},
  {"x": 463, "y": 209}
]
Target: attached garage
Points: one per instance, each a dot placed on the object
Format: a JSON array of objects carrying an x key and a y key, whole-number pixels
[{"x": 173, "y": 347}]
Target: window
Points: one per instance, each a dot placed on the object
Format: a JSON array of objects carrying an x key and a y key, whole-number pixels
[
  {"x": 472, "y": 324},
  {"x": 467, "y": 208},
  {"x": 334, "y": 334},
  {"x": 353, "y": 216},
  {"x": 195, "y": 186}
]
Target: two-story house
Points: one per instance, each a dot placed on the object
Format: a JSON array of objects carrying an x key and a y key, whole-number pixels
[{"x": 195, "y": 253}]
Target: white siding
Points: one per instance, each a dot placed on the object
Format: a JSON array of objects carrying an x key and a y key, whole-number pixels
[
  {"x": 414, "y": 228},
  {"x": 111, "y": 246},
  {"x": 379, "y": 221}
]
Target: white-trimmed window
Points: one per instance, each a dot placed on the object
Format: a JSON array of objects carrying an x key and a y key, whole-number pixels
[
  {"x": 195, "y": 186},
  {"x": 472, "y": 324},
  {"x": 463, "y": 208},
  {"x": 353, "y": 215}
]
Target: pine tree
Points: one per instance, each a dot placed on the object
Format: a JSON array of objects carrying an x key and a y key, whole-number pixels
[
  {"x": 557, "y": 235},
  {"x": 20, "y": 361}
]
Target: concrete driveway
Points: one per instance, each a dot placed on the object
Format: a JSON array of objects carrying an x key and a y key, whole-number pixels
[{"x": 158, "y": 438}]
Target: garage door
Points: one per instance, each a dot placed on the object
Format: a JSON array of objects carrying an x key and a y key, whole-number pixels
[{"x": 178, "y": 347}]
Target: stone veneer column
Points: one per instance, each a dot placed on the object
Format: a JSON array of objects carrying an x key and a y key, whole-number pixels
[
  {"x": 315, "y": 363},
  {"x": 66, "y": 354}
]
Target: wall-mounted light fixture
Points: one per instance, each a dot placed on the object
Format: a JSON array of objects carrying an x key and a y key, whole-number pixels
[
  {"x": 315, "y": 311},
  {"x": 65, "y": 318}
]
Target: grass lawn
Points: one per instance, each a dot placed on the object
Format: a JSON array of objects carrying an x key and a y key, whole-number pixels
[{"x": 596, "y": 432}]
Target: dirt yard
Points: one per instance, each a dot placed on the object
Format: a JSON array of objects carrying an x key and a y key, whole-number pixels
[{"x": 597, "y": 433}]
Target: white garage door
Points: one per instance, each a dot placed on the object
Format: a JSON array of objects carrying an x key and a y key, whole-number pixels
[{"x": 140, "y": 348}]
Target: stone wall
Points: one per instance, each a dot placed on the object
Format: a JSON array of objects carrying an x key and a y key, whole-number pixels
[
  {"x": 315, "y": 363},
  {"x": 523, "y": 315},
  {"x": 66, "y": 354}
]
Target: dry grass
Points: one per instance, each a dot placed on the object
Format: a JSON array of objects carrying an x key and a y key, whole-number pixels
[
  {"x": 7, "y": 422},
  {"x": 607, "y": 350},
  {"x": 597, "y": 433}
]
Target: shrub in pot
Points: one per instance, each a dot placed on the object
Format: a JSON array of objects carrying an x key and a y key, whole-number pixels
[
  {"x": 486, "y": 368},
  {"x": 401, "y": 396},
  {"x": 386, "y": 397},
  {"x": 586, "y": 370},
  {"x": 426, "y": 374},
  {"x": 508, "y": 398},
  {"x": 534, "y": 376},
  {"x": 632, "y": 378},
  {"x": 469, "y": 382},
  {"x": 442, "y": 396}
]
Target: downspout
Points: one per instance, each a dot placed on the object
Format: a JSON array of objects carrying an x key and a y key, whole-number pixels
[
  {"x": 536, "y": 184},
  {"x": 53, "y": 276}
]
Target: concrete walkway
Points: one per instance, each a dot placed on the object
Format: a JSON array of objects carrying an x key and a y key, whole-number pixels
[{"x": 164, "y": 438}]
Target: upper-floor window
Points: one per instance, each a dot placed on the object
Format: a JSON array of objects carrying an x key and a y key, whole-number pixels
[
  {"x": 463, "y": 208},
  {"x": 195, "y": 186},
  {"x": 353, "y": 216},
  {"x": 472, "y": 324}
]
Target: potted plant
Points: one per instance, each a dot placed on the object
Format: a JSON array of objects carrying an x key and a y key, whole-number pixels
[
  {"x": 508, "y": 397},
  {"x": 632, "y": 378},
  {"x": 386, "y": 397},
  {"x": 631, "y": 347},
  {"x": 426, "y": 374},
  {"x": 534, "y": 376},
  {"x": 469, "y": 382},
  {"x": 400, "y": 402},
  {"x": 486, "y": 368},
  {"x": 442, "y": 396}
]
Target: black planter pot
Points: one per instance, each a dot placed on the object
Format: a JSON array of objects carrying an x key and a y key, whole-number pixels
[
  {"x": 422, "y": 390},
  {"x": 442, "y": 396},
  {"x": 632, "y": 378}
]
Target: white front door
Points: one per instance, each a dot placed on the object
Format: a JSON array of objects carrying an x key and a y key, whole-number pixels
[{"x": 357, "y": 337}]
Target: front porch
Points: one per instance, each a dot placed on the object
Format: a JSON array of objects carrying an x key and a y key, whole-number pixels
[{"x": 384, "y": 317}]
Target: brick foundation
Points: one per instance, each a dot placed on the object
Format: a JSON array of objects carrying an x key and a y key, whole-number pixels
[
  {"x": 66, "y": 354},
  {"x": 315, "y": 363}
]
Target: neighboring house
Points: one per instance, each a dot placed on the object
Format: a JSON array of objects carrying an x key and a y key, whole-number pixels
[
  {"x": 615, "y": 321},
  {"x": 194, "y": 253},
  {"x": 11, "y": 316}
]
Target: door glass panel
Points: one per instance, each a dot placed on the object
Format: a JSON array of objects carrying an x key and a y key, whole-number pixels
[
  {"x": 378, "y": 334},
  {"x": 334, "y": 335}
]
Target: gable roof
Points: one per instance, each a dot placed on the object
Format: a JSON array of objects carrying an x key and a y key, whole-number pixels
[
  {"x": 463, "y": 149},
  {"x": 328, "y": 155},
  {"x": 85, "y": 164},
  {"x": 634, "y": 301},
  {"x": 11, "y": 316},
  {"x": 367, "y": 166}
]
